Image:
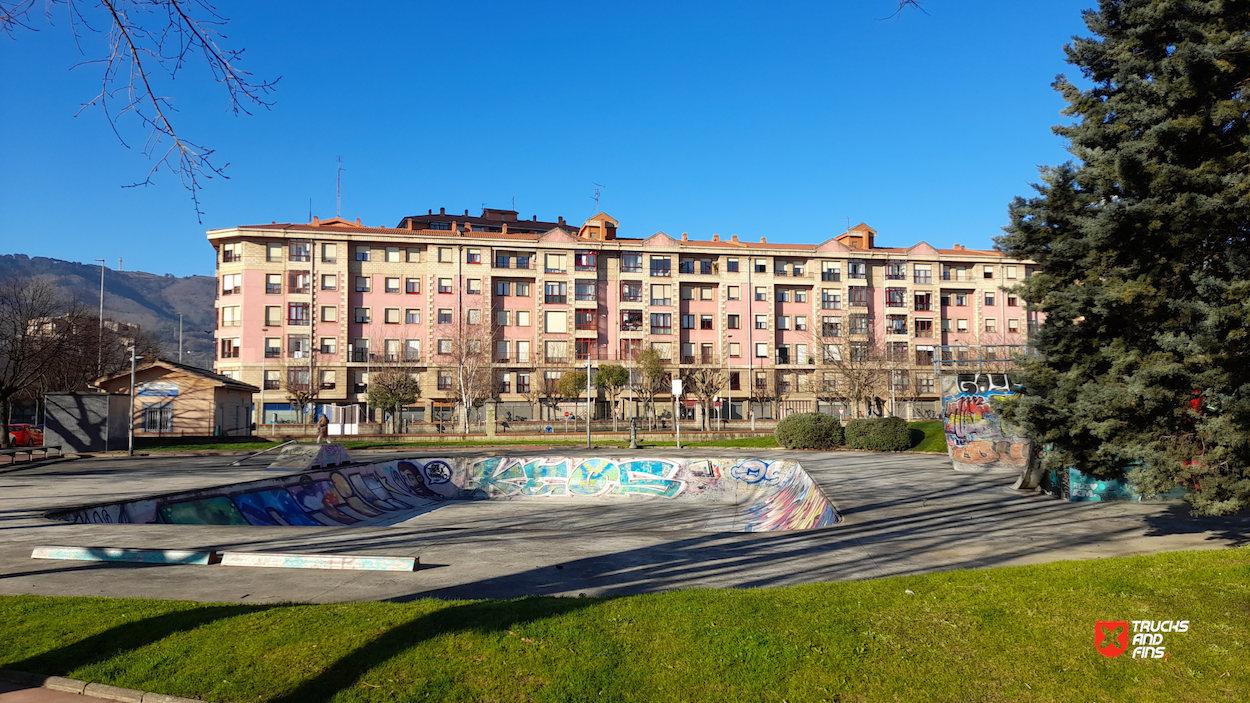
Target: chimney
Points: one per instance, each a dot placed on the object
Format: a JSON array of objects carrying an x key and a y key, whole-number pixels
[
  {"x": 685, "y": 237},
  {"x": 412, "y": 226},
  {"x": 466, "y": 213},
  {"x": 442, "y": 211},
  {"x": 357, "y": 221},
  {"x": 763, "y": 240},
  {"x": 562, "y": 219},
  {"x": 715, "y": 237},
  {"x": 505, "y": 227},
  {"x": 535, "y": 218},
  {"x": 316, "y": 220},
  {"x": 431, "y": 212},
  {"x": 959, "y": 247},
  {"x": 733, "y": 238}
]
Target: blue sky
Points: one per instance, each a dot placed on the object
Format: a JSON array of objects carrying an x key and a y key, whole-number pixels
[{"x": 778, "y": 119}]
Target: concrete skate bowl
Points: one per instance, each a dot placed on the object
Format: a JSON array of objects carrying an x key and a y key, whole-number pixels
[{"x": 727, "y": 495}]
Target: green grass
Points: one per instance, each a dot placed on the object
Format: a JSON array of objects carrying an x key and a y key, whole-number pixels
[
  {"x": 928, "y": 436},
  {"x": 1011, "y": 634}
]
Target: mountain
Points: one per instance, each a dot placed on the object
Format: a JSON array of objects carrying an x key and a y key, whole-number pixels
[{"x": 152, "y": 301}]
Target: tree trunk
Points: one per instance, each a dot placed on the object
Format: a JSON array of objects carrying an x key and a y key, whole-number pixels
[{"x": 5, "y": 404}]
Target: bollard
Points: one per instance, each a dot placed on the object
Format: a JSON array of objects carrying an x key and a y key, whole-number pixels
[{"x": 633, "y": 433}]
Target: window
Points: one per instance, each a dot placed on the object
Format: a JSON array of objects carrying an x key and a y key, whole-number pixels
[
  {"x": 631, "y": 320},
  {"x": 390, "y": 316},
  {"x": 989, "y": 299},
  {"x": 961, "y": 300},
  {"x": 630, "y": 348},
  {"x": 922, "y": 273},
  {"x": 946, "y": 324},
  {"x": 954, "y": 273},
  {"x": 707, "y": 354},
  {"x": 444, "y": 316},
  {"x": 733, "y": 322},
  {"x": 1011, "y": 301},
  {"x": 297, "y": 282},
  {"x": 856, "y": 268},
  {"x": 522, "y": 289},
  {"x": 860, "y": 351},
  {"x": 831, "y": 326},
  {"x": 783, "y": 295},
  {"x": 829, "y": 300},
  {"x": 298, "y": 346},
  {"x": 924, "y": 328},
  {"x": 444, "y": 346},
  {"x": 686, "y": 266},
  {"x": 444, "y": 285},
  {"x": 273, "y": 251},
  {"x": 896, "y": 324},
  {"x": 733, "y": 293},
  {"x": 584, "y": 290},
  {"x": 584, "y": 260},
  {"x": 503, "y": 289},
  {"x": 523, "y": 318},
  {"x": 783, "y": 322},
  {"x": 297, "y": 314},
  {"x": 988, "y": 272},
  {"x": 555, "y": 263},
  {"x": 503, "y": 318},
  {"x": 412, "y": 285},
  {"x": 363, "y": 283},
  {"x": 445, "y": 255},
  {"x": 961, "y": 325},
  {"x": 300, "y": 251},
  {"x": 362, "y": 253},
  {"x": 660, "y": 266},
  {"x": 1011, "y": 272},
  {"x": 859, "y": 324},
  {"x": 687, "y": 292},
  {"x": 273, "y": 347},
  {"x": 555, "y": 351},
  {"x": 361, "y": 315},
  {"x": 896, "y": 271},
  {"x": 687, "y": 322},
  {"x": 473, "y": 286},
  {"x": 991, "y": 324},
  {"x": 555, "y": 322},
  {"x": 761, "y": 293},
  {"x": 731, "y": 265},
  {"x": 859, "y": 296},
  {"x": 631, "y": 291},
  {"x": 631, "y": 262},
  {"x": 329, "y": 253},
  {"x": 273, "y": 283},
  {"x": 761, "y": 265},
  {"x": 664, "y": 349},
  {"x": 230, "y": 316},
  {"x": 326, "y": 380},
  {"x": 392, "y": 285},
  {"x": 444, "y": 377},
  {"x": 273, "y": 379},
  {"x": 761, "y": 322},
  {"x": 392, "y": 255},
  {"x": 582, "y": 348},
  {"x": 329, "y": 281},
  {"x": 158, "y": 417},
  {"x": 922, "y": 301},
  {"x": 390, "y": 350},
  {"x": 329, "y": 313},
  {"x": 412, "y": 316},
  {"x": 230, "y": 348},
  {"x": 523, "y": 351},
  {"x": 232, "y": 284},
  {"x": 800, "y": 322},
  {"x": 413, "y": 256},
  {"x": 585, "y": 320},
  {"x": 705, "y": 293},
  {"x": 761, "y": 350},
  {"x": 474, "y": 316},
  {"x": 661, "y": 323},
  {"x": 504, "y": 376},
  {"x": 473, "y": 256},
  {"x": 522, "y": 382},
  {"x": 659, "y": 295},
  {"x": 946, "y": 299},
  {"x": 924, "y": 382},
  {"x": 1013, "y": 326},
  {"x": 556, "y": 292}
]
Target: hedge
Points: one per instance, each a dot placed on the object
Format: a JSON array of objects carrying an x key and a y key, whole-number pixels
[
  {"x": 809, "y": 431},
  {"x": 880, "y": 434}
]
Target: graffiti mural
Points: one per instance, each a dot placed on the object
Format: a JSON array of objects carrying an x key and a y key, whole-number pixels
[
  {"x": 975, "y": 435},
  {"x": 766, "y": 495}
]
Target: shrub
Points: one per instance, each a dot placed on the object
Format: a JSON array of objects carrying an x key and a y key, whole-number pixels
[
  {"x": 879, "y": 434},
  {"x": 809, "y": 431}
]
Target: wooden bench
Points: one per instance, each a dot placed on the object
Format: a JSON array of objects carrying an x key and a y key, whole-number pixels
[{"x": 29, "y": 451}]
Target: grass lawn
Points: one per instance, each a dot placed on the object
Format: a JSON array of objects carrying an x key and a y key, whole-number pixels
[
  {"x": 934, "y": 437},
  {"x": 1010, "y": 634}
]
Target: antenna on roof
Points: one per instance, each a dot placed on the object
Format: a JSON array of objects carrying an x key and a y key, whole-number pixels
[
  {"x": 848, "y": 224},
  {"x": 595, "y": 197},
  {"x": 310, "y": 209},
  {"x": 338, "y": 192},
  {"x": 514, "y": 202}
]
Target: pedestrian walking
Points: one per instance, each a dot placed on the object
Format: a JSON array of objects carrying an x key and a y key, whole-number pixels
[{"x": 323, "y": 429}]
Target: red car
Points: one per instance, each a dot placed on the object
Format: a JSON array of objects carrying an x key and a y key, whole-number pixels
[{"x": 25, "y": 436}]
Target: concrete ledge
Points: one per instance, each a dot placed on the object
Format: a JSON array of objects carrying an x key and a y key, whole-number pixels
[
  {"x": 162, "y": 698},
  {"x": 113, "y": 693},
  {"x": 141, "y": 556},
  {"x": 60, "y": 683},
  {"x": 319, "y": 561}
]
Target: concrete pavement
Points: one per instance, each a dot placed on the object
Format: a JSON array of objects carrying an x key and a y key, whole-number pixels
[{"x": 903, "y": 514}]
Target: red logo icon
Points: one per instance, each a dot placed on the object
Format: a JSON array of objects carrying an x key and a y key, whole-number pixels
[{"x": 1111, "y": 637}]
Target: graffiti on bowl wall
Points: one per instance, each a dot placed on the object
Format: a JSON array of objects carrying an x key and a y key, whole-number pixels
[{"x": 975, "y": 435}]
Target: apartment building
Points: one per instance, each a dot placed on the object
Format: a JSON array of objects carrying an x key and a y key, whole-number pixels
[{"x": 317, "y": 307}]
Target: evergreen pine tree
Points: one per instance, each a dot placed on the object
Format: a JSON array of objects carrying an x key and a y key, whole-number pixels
[{"x": 1145, "y": 268}]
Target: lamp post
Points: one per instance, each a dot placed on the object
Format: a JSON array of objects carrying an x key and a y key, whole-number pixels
[
  {"x": 588, "y": 411},
  {"x": 99, "y": 354},
  {"x": 750, "y": 340},
  {"x": 264, "y": 351},
  {"x": 130, "y": 426},
  {"x": 179, "y": 338}
]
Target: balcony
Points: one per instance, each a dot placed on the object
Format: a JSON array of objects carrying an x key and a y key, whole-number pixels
[
  {"x": 507, "y": 263},
  {"x": 631, "y": 297},
  {"x": 360, "y": 355},
  {"x": 926, "y": 278},
  {"x": 685, "y": 267},
  {"x": 551, "y": 270},
  {"x": 585, "y": 297},
  {"x": 299, "y": 354},
  {"x": 549, "y": 298},
  {"x": 830, "y": 276}
]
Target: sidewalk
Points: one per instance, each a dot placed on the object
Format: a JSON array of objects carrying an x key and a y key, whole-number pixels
[{"x": 15, "y": 693}]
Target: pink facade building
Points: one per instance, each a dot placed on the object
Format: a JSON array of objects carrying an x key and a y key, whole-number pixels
[{"x": 318, "y": 307}]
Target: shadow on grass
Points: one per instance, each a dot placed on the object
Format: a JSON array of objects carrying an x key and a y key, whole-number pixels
[
  {"x": 916, "y": 436},
  {"x": 483, "y": 617}
]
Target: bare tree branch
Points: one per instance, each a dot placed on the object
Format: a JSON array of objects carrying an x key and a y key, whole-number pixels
[{"x": 902, "y": 5}]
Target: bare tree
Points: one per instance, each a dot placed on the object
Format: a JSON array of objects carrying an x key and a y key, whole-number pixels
[
  {"x": 704, "y": 383},
  {"x": 652, "y": 374},
  {"x": 463, "y": 351},
  {"x": 147, "y": 43},
  {"x": 39, "y": 328},
  {"x": 861, "y": 371},
  {"x": 301, "y": 383}
]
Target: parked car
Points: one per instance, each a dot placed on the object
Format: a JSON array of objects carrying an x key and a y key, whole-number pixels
[{"x": 24, "y": 435}]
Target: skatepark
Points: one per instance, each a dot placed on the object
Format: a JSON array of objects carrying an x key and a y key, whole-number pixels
[{"x": 888, "y": 514}]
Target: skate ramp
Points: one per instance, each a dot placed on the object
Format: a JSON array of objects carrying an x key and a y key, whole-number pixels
[{"x": 719, "y": 495}]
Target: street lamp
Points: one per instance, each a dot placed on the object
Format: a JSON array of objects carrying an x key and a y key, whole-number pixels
[
  {"x": 99, "y": 354},
  {"x": 130, "y": 426}
]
